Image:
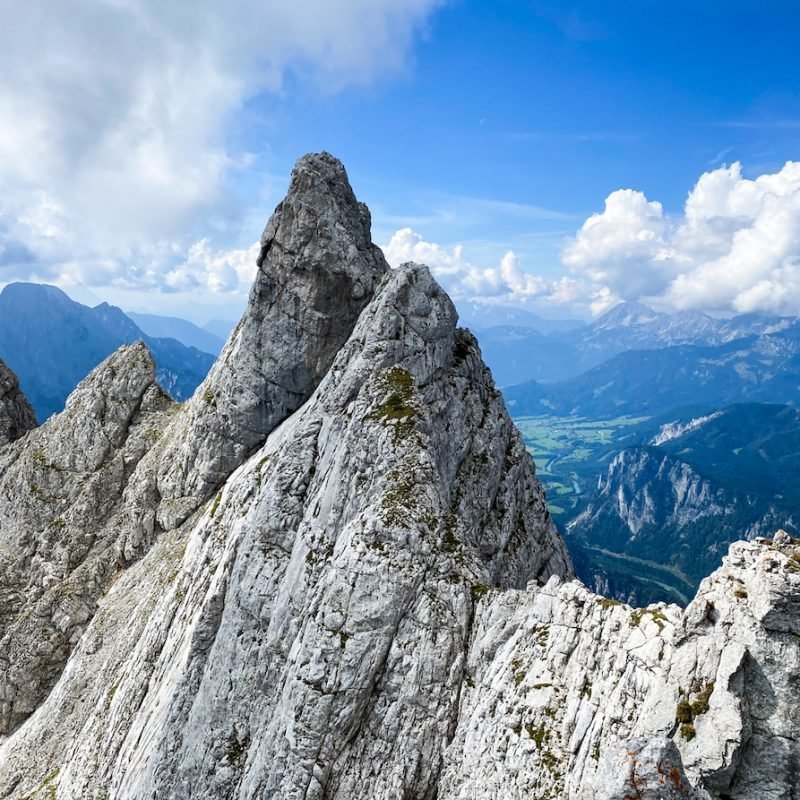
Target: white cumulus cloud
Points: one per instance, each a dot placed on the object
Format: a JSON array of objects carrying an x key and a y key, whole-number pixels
[
  {"x": 735, "y": 247},
  {"x": 506, "y": 282},
  {"x": 114, "y": 116},
  {"x": 214, "y": 270},
  {"x": 611, "y": 246}
]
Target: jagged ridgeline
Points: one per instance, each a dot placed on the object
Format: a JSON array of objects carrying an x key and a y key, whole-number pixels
[{"x": 331, "y": 574}]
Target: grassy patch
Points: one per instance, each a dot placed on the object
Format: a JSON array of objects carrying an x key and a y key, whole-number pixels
[
  {"x": 398, "y": 407},
  {"x": 657, "y": 616},
  {"x": 479, "y": 591},
  {"x": 215, "y": 505},
  {"x": 688, "y": 732}
]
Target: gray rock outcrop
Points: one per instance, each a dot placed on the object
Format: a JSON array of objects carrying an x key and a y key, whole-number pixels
[
  {"x": 566, "y": 681},
  {"x": 61, "y": 524},
  {"x": 363, "y": 596},
  {"x": 317, "y": 270},
  {"x": 16, "y": 414}
]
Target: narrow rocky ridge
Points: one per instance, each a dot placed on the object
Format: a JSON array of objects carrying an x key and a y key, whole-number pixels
[
  {"x": 61, "y": 527},
  {"x": 317, "y": 270},
  {"x": 336, "y": 577}
]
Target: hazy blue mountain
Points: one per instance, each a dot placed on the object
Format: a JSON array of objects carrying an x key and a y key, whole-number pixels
[
  {"x": 665, "y": 511},
  {"x": 634, "y": 326},
  {"x": 756, "y": 368},
  {"x": 181, "y": 329},
  {"x": 481, "y": 316},
  {"x": 51, "y": 342},
  {"x": 221, "y": 328},
  {"x": 512, "y": 351},
  {"x": 517, "y": 352}
]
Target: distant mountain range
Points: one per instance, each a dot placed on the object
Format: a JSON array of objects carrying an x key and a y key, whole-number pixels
[
  {"x": 663, "y": 514},
  {"x": 175, "y": 328},
  {"x": 51, "y": 343},
  {"x": 763, "y": 368},
  {"x": 662, "y": 438},
  {"x": 633, "y": 326},
  {"x": 519, "y": 351}
]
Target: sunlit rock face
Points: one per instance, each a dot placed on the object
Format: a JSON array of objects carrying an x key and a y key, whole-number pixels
[
  {"x": 332, "y": 574},
  {"x": 317, "y": 270}
]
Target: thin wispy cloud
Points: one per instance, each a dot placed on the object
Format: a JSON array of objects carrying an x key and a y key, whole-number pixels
[
  {"x": 571, "y": 136},
  {"x": 719, "y": 157},
  {"x": 779, "y": 124},
  {"x": 480, "y": 207}
]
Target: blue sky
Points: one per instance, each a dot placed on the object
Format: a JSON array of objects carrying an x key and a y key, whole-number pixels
[
  {"x": 529, "y": 103},
  {"x": 495, "y": 127}
]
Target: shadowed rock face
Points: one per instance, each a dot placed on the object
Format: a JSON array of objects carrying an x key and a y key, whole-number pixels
[
  {"x": 374, "y": 604},
  {"x": 16, "y": 414},
  {"x": 317, "y": 270},
  {"x": 646, "y": 769}
]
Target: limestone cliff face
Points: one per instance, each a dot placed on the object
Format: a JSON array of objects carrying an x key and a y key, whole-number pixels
[
  {"x": 653, "y": 505},
  {"x": 61, "y": 523},
  {"x": 317, "y": 270},
  {"x": 332, "y": 574},
  {"x": 16, "y": 414},
  {"x": 577, "y": 696}
]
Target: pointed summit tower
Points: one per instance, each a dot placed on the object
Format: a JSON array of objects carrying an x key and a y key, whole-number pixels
[{"x": 317, "y": 270}]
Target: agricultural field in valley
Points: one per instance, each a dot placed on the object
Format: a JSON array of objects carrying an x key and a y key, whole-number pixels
[{"x": 571, "y": 452}]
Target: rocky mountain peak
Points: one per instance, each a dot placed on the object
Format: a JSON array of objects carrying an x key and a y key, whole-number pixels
[
  {"x": 338, "y": 569},
  {"x": 16, "y": 414},
  {"x": 317, "y": 270},
  {"x": 321, "y": 210},
  {"x": 332, "y": 574}
]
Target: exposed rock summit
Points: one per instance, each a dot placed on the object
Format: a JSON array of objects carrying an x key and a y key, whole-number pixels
[
  {"x": 317, "y": 270},
  {"x": 16, "y": 414},
  {"x": 332, "y": 574}
]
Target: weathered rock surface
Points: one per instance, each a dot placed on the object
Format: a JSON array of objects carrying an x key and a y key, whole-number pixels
[
  {"x": 646, "y": 769},
  {"x": 374, "y": 603},
  {"x": 317, "y": 270},
  {"x": 16, "y": 414},
  {"x": 568, "y": 684},
  {"x": 60, "y": 522}
]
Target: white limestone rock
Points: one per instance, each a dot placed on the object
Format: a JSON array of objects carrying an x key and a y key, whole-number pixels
[
  {"x": 60, "y": 528},
  {"x": 563, "y": 682},
  {"x": 357, "y": 592},
  {"x": 322, "y": 610}
]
